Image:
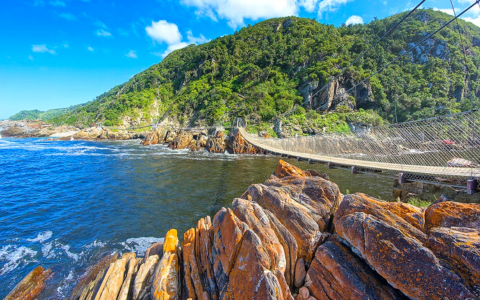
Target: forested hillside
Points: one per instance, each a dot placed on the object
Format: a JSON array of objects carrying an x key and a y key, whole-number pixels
[
  {"x": 265, "y": 70},
  {"x": 36, "y": 114}
]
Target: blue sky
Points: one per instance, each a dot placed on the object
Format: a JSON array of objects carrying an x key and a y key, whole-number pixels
[{"x": 56, "y": 53}]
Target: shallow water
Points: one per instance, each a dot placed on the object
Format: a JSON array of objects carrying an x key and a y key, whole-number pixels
[{"x": 64, "y": 205}]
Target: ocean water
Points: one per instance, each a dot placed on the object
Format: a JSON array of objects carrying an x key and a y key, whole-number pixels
[{"x": 64, "y": 205}]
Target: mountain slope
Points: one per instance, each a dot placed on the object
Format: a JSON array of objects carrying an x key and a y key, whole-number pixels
[
  {"x": 264, "y": 70},
  {"x": 36, "y": 114}
]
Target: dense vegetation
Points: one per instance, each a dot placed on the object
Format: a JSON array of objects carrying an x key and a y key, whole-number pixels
[
  {"x": 42, "y": 115},
  {"x": 261, "y": 72}
]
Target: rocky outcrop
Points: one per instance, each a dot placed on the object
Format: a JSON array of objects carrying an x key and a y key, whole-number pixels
[
  {"x": 182, "y": 140},
  {"x": 239, "y": 145},
  {"x": 296, "y": 237},
  {"x": 31, "y": 286},
  {"x": 154, "y": 137},
  {"x": 216, "y": 143}
]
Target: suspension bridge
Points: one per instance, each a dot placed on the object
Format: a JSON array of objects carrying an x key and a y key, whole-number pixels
[{"x": 443, "y": 150}]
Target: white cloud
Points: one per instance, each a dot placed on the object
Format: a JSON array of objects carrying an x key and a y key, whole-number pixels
[
  {"x": 236, "y": 11},
  {"x": 100, "y": 24},
  {"x": 330, "y": 6},
  {"x": 445, "y": 10},
  {"x": 67, "y": 16},
  {"x": 173, "y": 47},
  {"x": 65, "y": 45},
  {"x": 196, "y": 40},
  {"x": 57, "y": 3},
  {"x": 131, "y": 54},
  {"x": 103, "y": 32},
  {"x": 309, "y": 5},
  {"x": 475, "y": 21},
  {"x": 164, "y": 32},
  {"x": 30, "y": 57},
  {"x": 42, "y": 49},
  {"x": 90, "y": 49},
  {"x": 354, "y": 20}
]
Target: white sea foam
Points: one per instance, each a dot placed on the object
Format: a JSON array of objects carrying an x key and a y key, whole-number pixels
[
  {"x": 42, "y": 237},
  {"x": 140, "y": 245},
  {"x": 13, "y": 256}
]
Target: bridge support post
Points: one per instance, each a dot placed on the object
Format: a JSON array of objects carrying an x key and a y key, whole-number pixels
[
  {"x": 311, "y": 162},
  {"x": 472, "y": 185},
  {"x": 354, "y": 170},
  {"x": 402, "y": 178},
  {"x": 330, "y": 165}
]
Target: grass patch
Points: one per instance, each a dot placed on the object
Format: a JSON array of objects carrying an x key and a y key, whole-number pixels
[{"x": 415, "y": 201}]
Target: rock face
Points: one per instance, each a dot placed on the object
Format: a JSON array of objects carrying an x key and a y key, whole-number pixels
[
  {"x": 182, "y": 140},
  {"x": 297, "y": 235},
  {"x": 154, "y": 137},
  {"x": 239, "y": 145},
  {"x": 216, "y": 143},
  {"x": 31, "y": 286}
]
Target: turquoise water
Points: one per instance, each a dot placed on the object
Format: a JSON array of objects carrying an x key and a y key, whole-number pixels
[{"x": 63, "y": 205}]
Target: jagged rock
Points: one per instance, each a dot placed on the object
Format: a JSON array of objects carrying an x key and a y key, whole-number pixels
[
  {"x": 300, "y": 273},
  {"x": 284, "y": 169},
  {"x": 289, "y": 244},
  {"x": 395, "y": 249},
  {"x": 154, "y": 249},
  {"x": 144, "y": 274},
  {"x": 381, "y": 210},
  {"x": 113, "y": 280},
  {"x": 182, "y": 140},
  {"x": 452, "y": 214},
  {"x": 216, "y": 143},
  {"x": 204, "y": 255},
  {"x": 239, "y": 145},
  {"x": 170, "y": 136},
  {"x": 30, "y": 286},
  {"x": 254, "y": 216},
  {"x": 304, "y": 205},
  {"x": 154, "y": 137},
  {"x": 337, "y": 273},
  {"x": 192, "y": 284},
  {"x": 85, "y": 288},
  {"x": 166, "y": 281},
  {"x": 126, "y": 291}
]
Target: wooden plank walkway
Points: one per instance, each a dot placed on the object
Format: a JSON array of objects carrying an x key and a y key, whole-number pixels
[{"x": 444, "y": 172}]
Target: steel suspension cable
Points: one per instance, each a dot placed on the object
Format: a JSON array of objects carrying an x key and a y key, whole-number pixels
[{"x": 410, "y": 49}]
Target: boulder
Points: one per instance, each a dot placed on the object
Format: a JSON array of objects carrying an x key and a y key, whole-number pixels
[
  {"x": 395, "y": 250},
  {"x": 300, "y": 273},
  {"x": 166, "y": 280},
  {"x": 154, "y": 137},
  {"x": 460, "y": 247},
  {"x": 170, "y": 136},
  {"x": 182, "y": 140},
  {"x": 154, "y": 249},
  {"x": 452, "y": 214},
  {"x": 337, "y": 273},
  {"x": 144, "y": 274},
  {"x": 192, "y": 284},
  {"x": 284, "y": 169},
  {"x": 85, "y": 288},
  {"x": 30, "y": 286},
  {"x": 239, "y": 145},
  {"x": 216, "y": 143},
  {"x": 113, "y": 280},
  {"x": 126, "y": 291}
]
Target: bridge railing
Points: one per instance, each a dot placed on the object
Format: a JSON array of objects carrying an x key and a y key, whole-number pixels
[{"x": 446, "y": 142}]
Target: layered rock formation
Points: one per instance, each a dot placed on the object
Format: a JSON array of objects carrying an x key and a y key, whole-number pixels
[
  {"x": 31, "y": 286},
  {"x": 297, "y": 237}
]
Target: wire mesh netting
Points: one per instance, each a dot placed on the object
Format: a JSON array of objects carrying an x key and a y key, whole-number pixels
[{"x": 442, "y": 149}]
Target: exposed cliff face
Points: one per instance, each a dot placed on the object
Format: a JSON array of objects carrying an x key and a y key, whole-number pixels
[{"x": 296, "y": 237}]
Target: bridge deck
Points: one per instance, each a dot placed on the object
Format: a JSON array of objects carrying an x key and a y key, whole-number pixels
[{"x": 413, "y": 169}]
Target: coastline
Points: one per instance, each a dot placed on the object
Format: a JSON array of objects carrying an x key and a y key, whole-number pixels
[{"x": 297, "y": 237}]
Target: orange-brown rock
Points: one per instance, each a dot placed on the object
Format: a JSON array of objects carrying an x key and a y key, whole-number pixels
[
  {"x": 192, "y": 284},
  {"x": 304, "y": 205},
  {"x": 239, "y": 145},
  {"x": 142, "y": 278},
  {"x": 30, "y": 286},
  {"x": 126, "y": 290},
  {"x": 452, "y": 214},
  {"x": 216, "y": 143},
  {"x": 289, "y": 244},
  {"x": 300, "y": 273},
  {"x": 85, "y": 287},
  {"x": 182, "y": 140},
  {"x": 154, "y": 249},
  {"x": 284, "y": 169},
  {"x": 412, "y": 214},
  {"x": 166, "y": 280},
  {"x": 392, "y": 250},
  {"x": 371, "y": 206},
  {"x": 337, "y": 273},
  {"x": 154, "y": 137},
  {"x": 254, "y": 216},
  {"x": 113, "y": 280},
  {"x": 460, "y": 248},
  {"x": 204, "y": 255}
]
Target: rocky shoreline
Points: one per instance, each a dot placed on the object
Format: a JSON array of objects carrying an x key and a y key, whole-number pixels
[{"x": 297, "y": 237}]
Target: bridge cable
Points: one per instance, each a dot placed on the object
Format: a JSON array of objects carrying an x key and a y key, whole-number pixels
[
  {"x": 362, "y": 54},
  {"x": 413, "y": 47}
]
